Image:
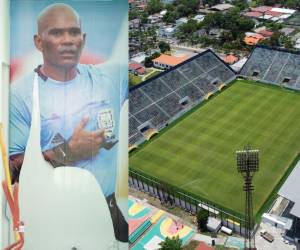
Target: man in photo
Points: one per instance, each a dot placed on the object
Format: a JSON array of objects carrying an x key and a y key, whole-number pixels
[{"x": 79, "y": 107}]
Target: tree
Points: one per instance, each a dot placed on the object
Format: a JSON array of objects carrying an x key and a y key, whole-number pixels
[
  {"x": 202, "y": 219},
  {"x": 148, "y": 62},
  {"x": 171, "y": 244},
  {"x": 154, "y": 6},
  {"x": 163, "y": 46}
]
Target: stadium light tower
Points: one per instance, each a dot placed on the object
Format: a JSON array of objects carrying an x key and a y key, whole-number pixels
[{"x": 247, "y": 165}]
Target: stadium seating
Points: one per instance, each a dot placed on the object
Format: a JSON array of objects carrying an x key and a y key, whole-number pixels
[
  {"x": 160, "y": 100},
  {"x": 274, "y": 66}
]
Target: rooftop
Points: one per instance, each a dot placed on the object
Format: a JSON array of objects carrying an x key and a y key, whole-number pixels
[
  {"x": 289, "y": 190},
  {"x": 170, "y": 60},
  {"x": 222, "y": 7},
  {"x": 262, "y": 9},
  {"x": 231, "y": 58},
  {"x": 253, "y": 14}
]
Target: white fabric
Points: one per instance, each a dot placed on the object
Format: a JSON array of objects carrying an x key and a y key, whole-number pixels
[{"x": 62, "y": 207}]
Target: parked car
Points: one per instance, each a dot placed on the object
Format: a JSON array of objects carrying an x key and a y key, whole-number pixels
[{"x": 267, "y": 236}]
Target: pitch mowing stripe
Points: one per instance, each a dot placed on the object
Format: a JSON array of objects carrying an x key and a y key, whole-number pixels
[{"x": 198, "y": 152}]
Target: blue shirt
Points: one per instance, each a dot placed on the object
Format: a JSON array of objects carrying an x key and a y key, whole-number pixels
[{"x": 63, "y": 105}]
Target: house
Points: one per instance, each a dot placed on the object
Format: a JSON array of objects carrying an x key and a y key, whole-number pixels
[
  {"x": 253, "y": 38},
  {"x": 181, "y": 20},
  {"x": 199, "y": 18},
  {"x": 136, "y": 68},
  {"x": 216, "y": 32},
  {"x": 167, "y": 32},
  {"x": 231, "y": 59},
  {"x": 297, "y": 44},
  {"x": 287, "y": 31},
  {"x": 200, "y": 32},
  {"x": 266, "y": 33},
  {"x": 270, "y": 13},
  {"x": 222, "y": 7},
  {"x": 134, "y": 23},
  {"x": 155, "y": 18},
  {"x": 167, "y": 62}
]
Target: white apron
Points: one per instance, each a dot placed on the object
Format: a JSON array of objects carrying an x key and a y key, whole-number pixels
[{"x": 62, "y": 208}]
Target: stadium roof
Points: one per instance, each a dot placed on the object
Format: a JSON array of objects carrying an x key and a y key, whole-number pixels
[
  {"x": 170, "y": 60},
  {"x": 290, "y": 190}
]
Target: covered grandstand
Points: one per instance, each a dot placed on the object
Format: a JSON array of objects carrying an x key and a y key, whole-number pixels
[
  {"x": 160, "y": 100},
  {"x": 289, "y": 191},
  {"x": 274, "y": 66}
]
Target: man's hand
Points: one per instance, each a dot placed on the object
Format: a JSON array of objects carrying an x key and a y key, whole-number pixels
[{"x": 84, "y": 144}]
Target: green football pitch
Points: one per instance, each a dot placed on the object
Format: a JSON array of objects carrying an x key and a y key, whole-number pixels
[{"x": 197, "y": 153}]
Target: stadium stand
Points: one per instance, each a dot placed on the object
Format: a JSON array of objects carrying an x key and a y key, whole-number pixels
[
  {"x": 274, "y": 66},
  {"x": 156, "y": 102}
]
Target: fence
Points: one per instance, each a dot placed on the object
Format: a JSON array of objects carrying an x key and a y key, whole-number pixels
[{"x": 174, "y": 196}]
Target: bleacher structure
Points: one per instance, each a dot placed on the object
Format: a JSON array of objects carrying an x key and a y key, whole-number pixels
[
  {"x": 160, "y": 100},
  {"x": 273, "y": 66}
]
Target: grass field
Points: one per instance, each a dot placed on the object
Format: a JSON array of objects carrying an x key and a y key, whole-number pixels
[{"x": 197, "y": 153}]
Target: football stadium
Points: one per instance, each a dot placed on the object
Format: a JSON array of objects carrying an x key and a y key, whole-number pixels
[{"x": 187, "y": 123}]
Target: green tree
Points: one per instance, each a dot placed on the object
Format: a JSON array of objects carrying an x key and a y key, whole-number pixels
[
  {"x": 171, "y": 244},
  {"x": 148, "y": 62},
  {"x": 163, "y": 46},
  {"x": 202, "y": 219},
  {"x": 170, "y": 17},
  {"x": 154, "y": 6}
]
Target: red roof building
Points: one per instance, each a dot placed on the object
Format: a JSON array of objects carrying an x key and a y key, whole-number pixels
[
  {"x": 203, "y": 246},
  {"x": 254, "y": 14},
  {"x": 231, "y": 59},
  {"x": 262, "y": 9},
  {"x": 166, "y": 61},
  {"x": 266, "y": 33},
  {"x": 273, "y": 13},
  {"x": 137, "y": 68}
]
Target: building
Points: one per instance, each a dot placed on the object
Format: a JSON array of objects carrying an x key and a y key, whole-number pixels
[
  {"x": 270, "y": 13},
  {"x": 266, "y": 33},
  {"x": 167, "y": 62},
  {"x": 253, "y": 38},
  {"x": 231, "y": 59},
  {"x": 289, "y": 192},
  {"x": 222, "y": 7},
  {"x": 134, "y": 23},
  {"x": 136, "y": 68},
  {"x": 199, "y": 18},
  {"x": 181, "y": 20},
  {"x": 287, "y": 31},
  {"x": 167, "y": 32}
]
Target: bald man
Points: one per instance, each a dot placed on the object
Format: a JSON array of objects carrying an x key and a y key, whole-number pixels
[{"x": 79, "y": 105}]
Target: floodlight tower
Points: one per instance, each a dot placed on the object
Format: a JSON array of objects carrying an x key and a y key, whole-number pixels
[{"x": 247, "y": 165}]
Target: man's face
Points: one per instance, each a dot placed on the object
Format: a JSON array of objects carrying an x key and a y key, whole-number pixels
[{"x": 61, "y": 40}]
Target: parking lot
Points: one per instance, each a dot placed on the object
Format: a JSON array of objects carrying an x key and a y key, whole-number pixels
[{"x": 278, "y": 244}]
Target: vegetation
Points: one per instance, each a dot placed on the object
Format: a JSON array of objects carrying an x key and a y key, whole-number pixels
[
  {"x": 148, "y": 60},
  {"x": 202, "y": 219},
  {"x": 134, "y": 80},
  {"x": 173, "y": 243},
  {"x": 287, "y": 3},
  {"x": 164, "y": 47},
  {"x": 180, "y": 8}
]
